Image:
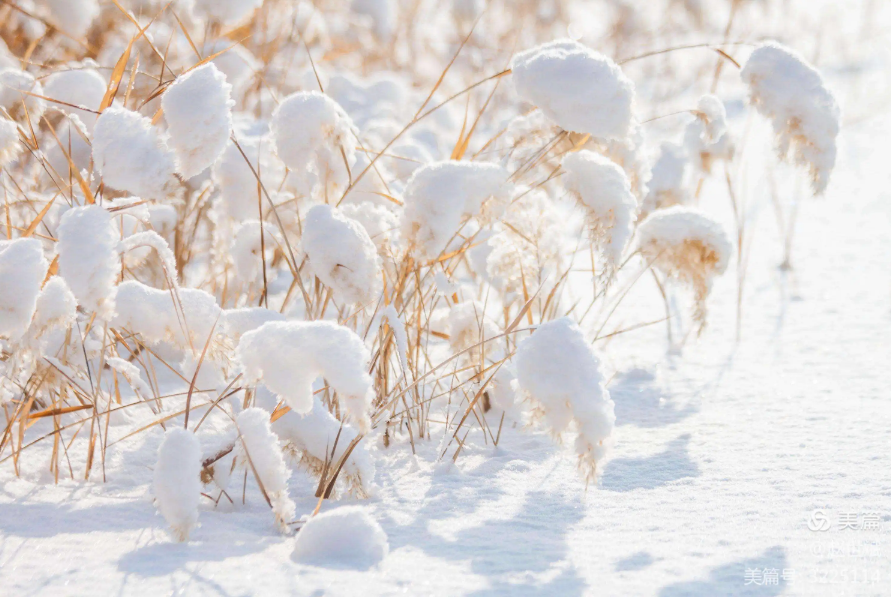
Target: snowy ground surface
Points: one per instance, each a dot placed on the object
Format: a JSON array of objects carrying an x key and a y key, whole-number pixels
[{"x": 723, "y": 454}]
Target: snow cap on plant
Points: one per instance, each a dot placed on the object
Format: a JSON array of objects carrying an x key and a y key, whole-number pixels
[
  {"x": 287, "y": 357},
  {"x": 88, "y": 257},
  {"x": 22, "y": 269},
  {"x": 177, "y": 481},
  {"x": 579, "y": 89},
  {"x": 688, "y": 246},
  {"x": 558, "y": 373},
  {"x": 805, "y": 116},
  {"x": 602, "y": 187},
  {"x": 439, "y": 197}
]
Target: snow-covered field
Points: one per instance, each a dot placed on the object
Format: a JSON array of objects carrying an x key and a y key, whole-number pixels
[{"x": 751, "y": 460}]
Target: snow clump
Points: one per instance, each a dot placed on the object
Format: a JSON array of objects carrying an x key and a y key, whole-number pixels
[
  {"x": 177, "y": 481},
  {"x": 805, "y": 116},
  {"x": 347, "y": 536},
  {"x": 22, "y": 269},
  {"x": 579, "y": 89},
  {"x": 88, "y": 257}
]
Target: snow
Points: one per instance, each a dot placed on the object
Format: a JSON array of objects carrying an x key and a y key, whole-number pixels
[
  {"x": 260, "y": 449},
  {"x": 73, "y": 16},
  {"x": 21, "y": 107},
  {"x": 88, "y": 257},
  {"x": 579, "y": 89},
  {"x": 226, "y": 12},
  {"x": 9, "y": 141},
  {"x": 198, "y": 110},
  {"x": 560, "y": 374},
  {"x": 804, "y": 113},
  {"x": 605, "y": 191},
  {"x": 22, "y": 268},
  {"x": 289, "y": 356},
  {"x": 132, "y": 156},
  {"x": 238, "y": 180},
  {"x": 314, "y": 136},
  {"x": 177, "y": 485},
  {"x": 342, "y": 255},
  {"x": 56, "y": 307},
  {"x": 346, "y": 537},
  {"x": 439, "y": 196},
  {"x": 83, "y": 87}
]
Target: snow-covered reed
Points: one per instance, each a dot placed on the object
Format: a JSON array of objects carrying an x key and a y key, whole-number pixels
[{"x": 279, "y": 239}]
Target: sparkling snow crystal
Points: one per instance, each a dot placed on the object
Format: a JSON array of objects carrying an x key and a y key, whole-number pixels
[
  {"x": 198, "y": 111},
  {"x": 580, "y": 90},
  {"x": 559, "y": 373},
  {"x": 177, "y": 483},
  {"x": 805, "y": 116}
]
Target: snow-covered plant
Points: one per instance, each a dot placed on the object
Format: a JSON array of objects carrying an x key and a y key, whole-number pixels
[
  {"x": 581, "y": 90},
  {"x": 132, "y": 156},
  {"x": 88, "y": 257},
  {"x": 177, "y": 481},
  {"x": 686, "y": 245},
  {"x": 288, "y": 357},
  {"x": 23, "y": 268},
  {"x": 342, "y": 255},
  {"x": 604, "y": 190},
  {"x": 259, "y": 447},
  {"x": 804, "y": 114},
  {"x": 440, "y": 197},
  {"x": 558, "y": 372},
  {"x": 198, "y": 112}
]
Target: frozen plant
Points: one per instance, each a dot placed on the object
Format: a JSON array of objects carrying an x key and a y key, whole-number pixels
[
  {"x": 559, "y": 373},
  {"x": 88, "y": 257},
  {"x": 198, "y": 111},
  {"x": 581, "y": 90},
  {"x": 342, "y": 255},
  {"x": 177, "y": 482},
  {"x": 289, "y": 356},
  {"x": 132, "y": 156},
  {"x": 259, "y": 447},
  {"x": 688, "y": 246},
  {"x": 804, "y": 114},
  {"x": 604, "y": 190}
]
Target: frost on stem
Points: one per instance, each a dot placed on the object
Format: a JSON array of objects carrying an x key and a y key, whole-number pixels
[
  {"x": 347, "y": 536},
  {"x": 688, "y": 246},
  {"x": 342, "y": 255},
  {"x": 22, "y": 270},
  {"x": 558, "y": 372},
  {"x": 579, "y": 89},
  {"x": 314, "y": 137},
  {"x": 198, "y": 110},
  {"x": 706, "y": 138},
  {"x": 805, "y": 116},
  {"x": 177, "y": 481},
  {"x": 259, "y": 448},
  {"x": 131, "y": 156},
  {"x": 440, "y": 196},
  {"x": 604, "y": 190},
  {"x": 289, "y": 356},
  {"x": 310, "y": 440},
  {"x": 88, "y": 257}
]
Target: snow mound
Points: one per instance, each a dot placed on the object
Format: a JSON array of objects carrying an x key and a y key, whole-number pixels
[
  {"x": 347, "y": 537},
  {"x": 581, "y": 90}
]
